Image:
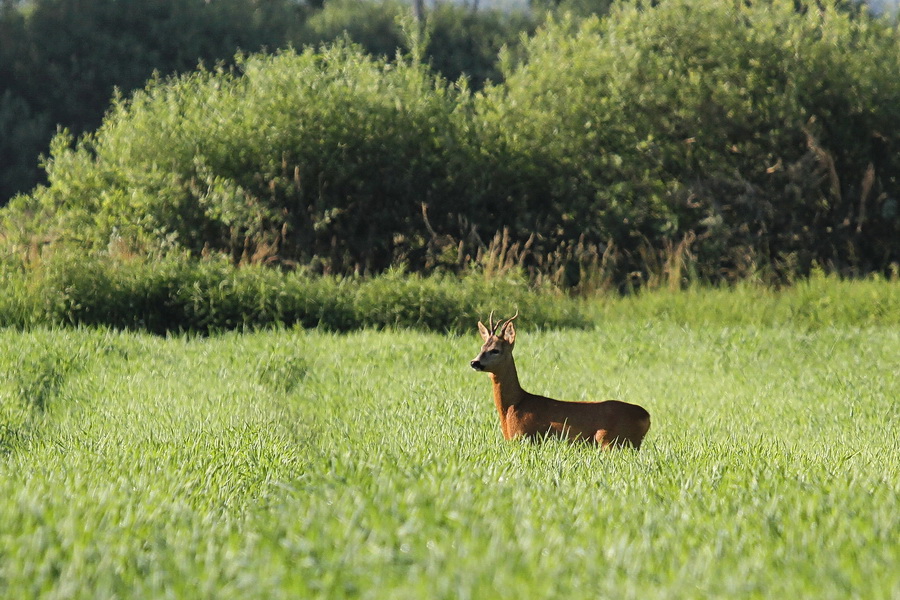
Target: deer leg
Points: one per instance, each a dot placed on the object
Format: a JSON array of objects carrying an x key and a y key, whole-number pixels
[{"x": 600, "y": 438}]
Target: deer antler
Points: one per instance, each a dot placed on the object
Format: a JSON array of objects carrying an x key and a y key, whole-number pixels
[
  {"x": 503, "y": 324},
  {"x": 493, "y": 327}
]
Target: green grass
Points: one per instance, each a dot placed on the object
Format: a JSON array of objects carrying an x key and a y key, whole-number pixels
[
  {"x": 290, "y": 464},
  {"x": 178, "y": 294},
  {"x": 813, "y": 303}
]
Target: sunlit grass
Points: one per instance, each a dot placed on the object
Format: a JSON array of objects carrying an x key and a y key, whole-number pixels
[{"x": 295, "y": 464}]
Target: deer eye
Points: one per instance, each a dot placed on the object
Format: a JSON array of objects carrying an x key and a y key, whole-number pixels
[{"x": 494, "y": 351}]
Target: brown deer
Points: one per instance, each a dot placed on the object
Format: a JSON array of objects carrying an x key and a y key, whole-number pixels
[{"x": 608, "y": 423}]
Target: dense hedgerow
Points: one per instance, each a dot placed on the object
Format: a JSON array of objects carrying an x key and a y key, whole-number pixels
[
  {"x": 764, "y": 133},
  {"x": 179, "y": 294},
  {"x": 319, "y": 157},
  {"x": 699, "y": 139},
  {"x": 60, "y": 60}
]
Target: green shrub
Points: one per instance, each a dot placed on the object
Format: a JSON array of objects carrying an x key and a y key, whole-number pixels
[
  {"x": 17, "y": 299},
  {"x": 768, "y": 129},
  {"x": 314, "y": 157},
  {"x": 371, "y": 24},
  {"x": 465, "y": 42},
  {"x": 176, "y": 293},
  {"x": 460, "y": 42},
  {"x": 664, "y": 143},
  {"x": 62, "y": 59}
]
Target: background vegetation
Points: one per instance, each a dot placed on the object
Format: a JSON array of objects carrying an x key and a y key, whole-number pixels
[
  {"x": 60, "y": 60},
  {"x": 753, "y": 133},
  {"x": 691, "y": 140},
  {"x": 178, "y": 294}
]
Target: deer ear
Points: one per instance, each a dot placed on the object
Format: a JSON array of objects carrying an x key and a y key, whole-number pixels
[
  {"x": 485, "y": 334},
  {"x": 509, "y": 332}
]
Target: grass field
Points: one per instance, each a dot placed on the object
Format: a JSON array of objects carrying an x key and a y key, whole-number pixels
[{"x": 290, "y": 464}]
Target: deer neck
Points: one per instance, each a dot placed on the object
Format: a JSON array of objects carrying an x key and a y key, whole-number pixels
[{"x": 507, "y": 391}]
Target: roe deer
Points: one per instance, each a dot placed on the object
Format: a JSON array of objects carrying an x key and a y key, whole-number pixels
[{"x": 524, "y": 414}]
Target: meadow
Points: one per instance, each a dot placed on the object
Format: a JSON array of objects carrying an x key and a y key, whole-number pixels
[
  {"x": 305, "y": 463},
  {"x": 236, "y": 322}
]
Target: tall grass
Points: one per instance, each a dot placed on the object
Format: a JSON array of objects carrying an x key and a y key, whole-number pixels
[
  {"x": 819, "y": 301},
  {"x": 306, "y": 464},
  {"x": 176, "y": 294}
]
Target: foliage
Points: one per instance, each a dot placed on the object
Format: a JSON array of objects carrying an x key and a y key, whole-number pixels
[
  {"x": 467, "y": 43},
  {"x": 61, "y": 60},
  {"x": 185, "y": 467},
  {"x": 763, "y": 129},
  {"x": 580, "y": 8},
  {"x": 681, "y": 141},
  {"x": 22, "y": 131},
  {"x": 371, "y": 24},
  {"x": 319, "y": 157},
  {"x": 174, "y": 294}
]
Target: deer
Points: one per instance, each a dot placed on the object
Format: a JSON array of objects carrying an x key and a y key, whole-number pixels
[{"x": 610, "y": 423}]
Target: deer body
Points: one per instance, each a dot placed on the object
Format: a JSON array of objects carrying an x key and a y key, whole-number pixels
[{"x": 525, "y": 414}]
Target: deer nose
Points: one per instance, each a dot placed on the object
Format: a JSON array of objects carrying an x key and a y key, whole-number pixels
[{"x": 476, "y": 365}]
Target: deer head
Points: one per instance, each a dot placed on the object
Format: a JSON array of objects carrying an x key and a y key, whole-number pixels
[{"x": 498, "y": 345}]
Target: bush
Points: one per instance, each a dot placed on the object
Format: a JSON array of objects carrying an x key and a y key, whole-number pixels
[
  {"x": 62, "y": 59},
  {"x": 179, "y": 294},
  {"x": 766, "y": 130},
  {"x": 667, "y": 142},
  {"x": 321, "y": 158}
]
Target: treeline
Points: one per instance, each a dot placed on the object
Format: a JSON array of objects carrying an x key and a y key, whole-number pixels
[
  {"x": 60, "y": 60},
  {"x": 671, "y": 141}
]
